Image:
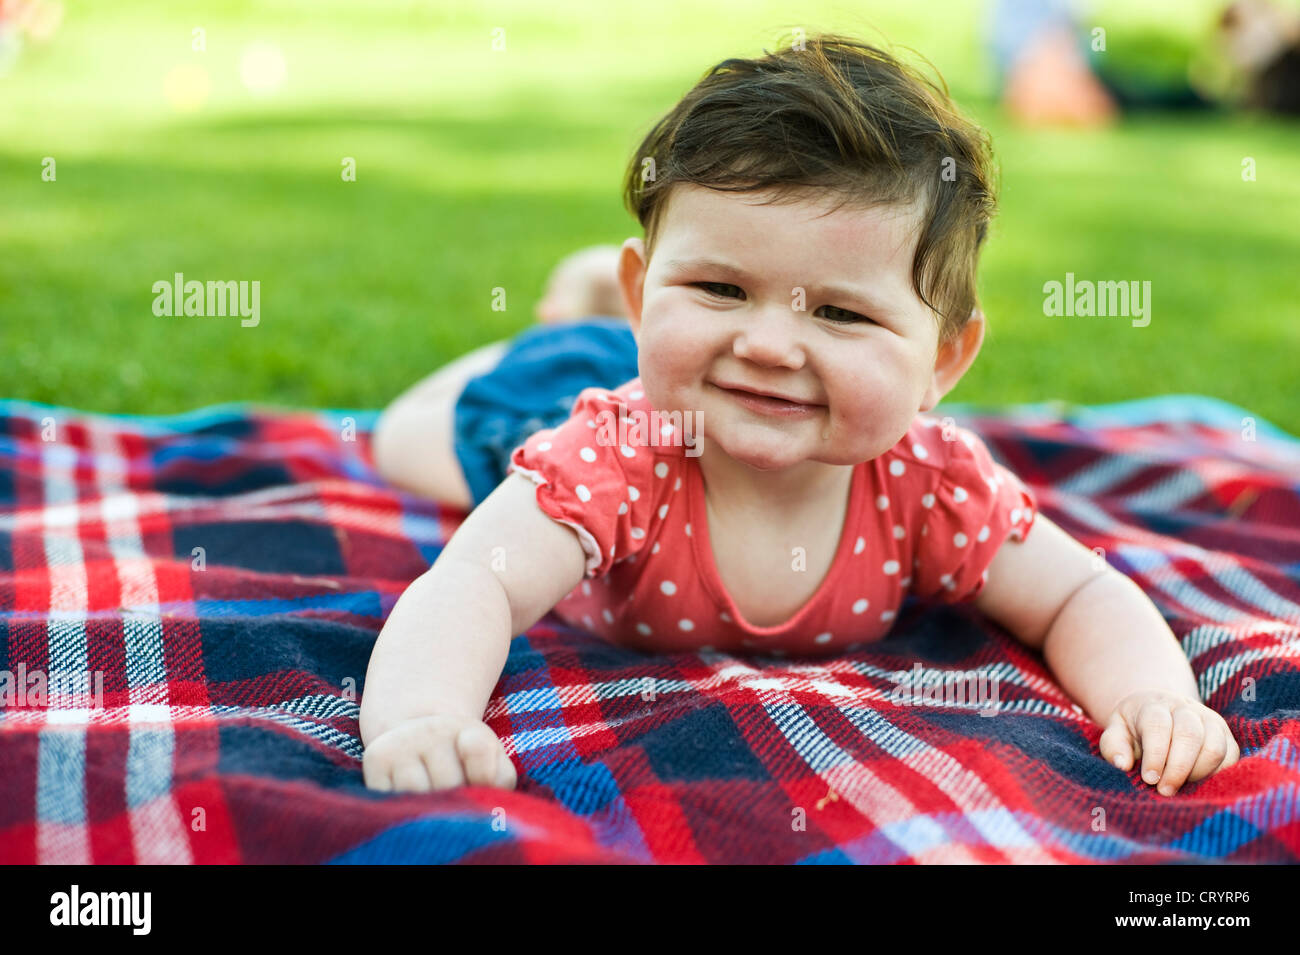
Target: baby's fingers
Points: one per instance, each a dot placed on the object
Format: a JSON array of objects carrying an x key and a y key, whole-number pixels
[
  {"x": 1116, "y": 743},
  {"x": 507, "y": 777},
  {"x": 1220, "y": 750},
  {"x": 410, "y": 776},
  {"x": 1213, "y": 752},
  {"x": 443, "y": 763},
  {"x": 1234, "y": 751},
  {"x": 376, "y": 774},
  {"x": 1155, "y": 725},
  {"x": 386, "y": 768},
  {"x": 1187, "y": 738},
  {"x": 479, "y": 750}
]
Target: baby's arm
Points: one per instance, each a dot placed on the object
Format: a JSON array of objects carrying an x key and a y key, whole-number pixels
[
  {"x": 442, "y": 649},
  {"x": 1111, "y": 650}
]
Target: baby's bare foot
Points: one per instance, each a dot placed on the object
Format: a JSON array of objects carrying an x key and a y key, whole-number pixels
[{"x": 583, "y": 285}]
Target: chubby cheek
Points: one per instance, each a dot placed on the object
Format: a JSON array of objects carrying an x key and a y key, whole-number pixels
[
  {"x": 870, "y": 413},
  {"x": 671, "y": 363},
  {"x": 856, "y": 430}
]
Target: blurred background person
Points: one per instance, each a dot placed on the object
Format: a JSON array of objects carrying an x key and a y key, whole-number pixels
[{"x": 1067, "y": 64}]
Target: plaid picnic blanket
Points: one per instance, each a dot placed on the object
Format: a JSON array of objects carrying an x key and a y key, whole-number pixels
[{"x": 188, "y": 604}]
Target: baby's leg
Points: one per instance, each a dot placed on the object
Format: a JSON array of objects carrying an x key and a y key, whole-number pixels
[
  {"x": 414, "y": 442},
  {"x": 414, "y": 439}
]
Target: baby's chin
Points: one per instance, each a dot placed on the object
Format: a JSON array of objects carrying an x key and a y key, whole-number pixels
[{"x": 776, "y": 452}]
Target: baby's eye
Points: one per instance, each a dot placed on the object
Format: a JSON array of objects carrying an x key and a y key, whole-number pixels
[
  {"x": 839, "y": 316},
  {"x": 709, "y": 286},
  {"x": 848, "y": 318}
]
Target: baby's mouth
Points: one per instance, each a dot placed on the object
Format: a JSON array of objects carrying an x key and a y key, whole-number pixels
[{"x": 768, "y": 403}]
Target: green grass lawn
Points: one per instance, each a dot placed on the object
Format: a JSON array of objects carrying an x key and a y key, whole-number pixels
[{"x": 479, "y": 169}]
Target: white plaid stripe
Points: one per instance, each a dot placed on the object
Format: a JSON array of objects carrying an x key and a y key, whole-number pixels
[
  {"x": 854, "y": 782},
  {"x": 61, "y": 833},
  {"x": 158, "y": 834},
  {"x": 1153, "y": 561},
  {"x": 1100, "y": 477},
  {"x": 975, "y": 801}
]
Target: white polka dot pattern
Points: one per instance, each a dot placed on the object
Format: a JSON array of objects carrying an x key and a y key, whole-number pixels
[
  {"x": 974, "y": 506},
  {"x": 927, "y": 518},
  {"x": 598, "y": 486}
]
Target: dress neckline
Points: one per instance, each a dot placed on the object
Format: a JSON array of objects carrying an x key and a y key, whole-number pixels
[{"x": 702, "y": 546}]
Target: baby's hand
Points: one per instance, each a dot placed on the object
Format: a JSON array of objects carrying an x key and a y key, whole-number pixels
[
  {"x": 1179, "y": 739},
  {"x": 435, "y": 752}
]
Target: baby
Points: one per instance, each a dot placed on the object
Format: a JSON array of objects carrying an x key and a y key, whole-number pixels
[{"x": 770, "y": 481}]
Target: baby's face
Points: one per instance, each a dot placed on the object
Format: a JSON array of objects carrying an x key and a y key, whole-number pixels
[{"x": 719, "y": 307}]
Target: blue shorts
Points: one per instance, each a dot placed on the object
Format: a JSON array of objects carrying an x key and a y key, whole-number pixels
[{"x": 535, "y": 386}]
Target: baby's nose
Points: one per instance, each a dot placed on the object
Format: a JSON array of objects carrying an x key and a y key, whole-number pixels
[{"x": 772, "y": 336}]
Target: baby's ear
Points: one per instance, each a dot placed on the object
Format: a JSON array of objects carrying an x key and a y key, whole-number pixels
[
  {"x": 632, "y": 267},
  {"x": 953, "y": 358}
]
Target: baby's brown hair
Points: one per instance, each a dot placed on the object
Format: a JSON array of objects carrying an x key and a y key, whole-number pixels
[{"x": 833, "y": 113}]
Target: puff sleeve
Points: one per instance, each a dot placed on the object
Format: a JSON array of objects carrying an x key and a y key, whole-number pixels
[
  {"x": 589, "y": 482},
  {"x": 972, "y": 508}
]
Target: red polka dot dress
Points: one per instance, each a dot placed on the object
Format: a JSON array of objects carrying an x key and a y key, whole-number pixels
[{"x": 925, "y": 518}]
